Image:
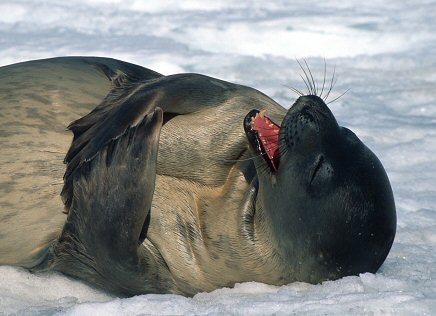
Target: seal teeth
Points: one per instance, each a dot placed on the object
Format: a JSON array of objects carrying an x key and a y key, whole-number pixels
[
  {"x": 263, "y": 136},
  {"x": 258, "y": 115},
  {"x": 261, "y": 114}
]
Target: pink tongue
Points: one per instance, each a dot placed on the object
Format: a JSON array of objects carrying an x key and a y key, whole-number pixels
[{"x": 269, "y": 135}]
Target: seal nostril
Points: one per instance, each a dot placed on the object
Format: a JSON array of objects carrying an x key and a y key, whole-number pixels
[{"x": 308, "y": 116}]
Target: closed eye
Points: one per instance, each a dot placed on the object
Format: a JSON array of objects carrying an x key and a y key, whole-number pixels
[{"x": 316, "y": 167}]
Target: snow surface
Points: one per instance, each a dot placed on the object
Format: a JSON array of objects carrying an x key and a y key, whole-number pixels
[{"x": 384, "y": 50}]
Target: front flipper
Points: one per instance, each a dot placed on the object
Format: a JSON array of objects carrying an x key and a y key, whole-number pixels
[
  {"x": 131, "y": 99},
  {"x": 111, "y": 200}
]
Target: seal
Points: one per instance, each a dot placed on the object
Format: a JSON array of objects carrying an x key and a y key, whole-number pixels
[{"x": 181, "y": 183}]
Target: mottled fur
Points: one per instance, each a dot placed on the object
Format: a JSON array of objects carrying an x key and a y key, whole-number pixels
[
  {"x": 191, "y": 180},
  {"x": 161, "y": 190}
]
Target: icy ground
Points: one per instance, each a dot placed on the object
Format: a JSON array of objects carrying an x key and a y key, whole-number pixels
[{"x": 384, "y": 50}]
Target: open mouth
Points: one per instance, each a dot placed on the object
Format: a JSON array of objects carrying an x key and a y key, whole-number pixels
[{"x": 263, "y": 136}]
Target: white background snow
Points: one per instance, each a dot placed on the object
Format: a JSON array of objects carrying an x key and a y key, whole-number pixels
[{"x": 384, "y": 51}]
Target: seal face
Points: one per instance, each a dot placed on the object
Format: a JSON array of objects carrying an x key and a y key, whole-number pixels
[
  {"x": 330, "y": 199},
  {"x": 174, "y": 184}
]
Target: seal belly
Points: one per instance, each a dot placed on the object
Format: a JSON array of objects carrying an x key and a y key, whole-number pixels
[{"x": 37, "y": 102}]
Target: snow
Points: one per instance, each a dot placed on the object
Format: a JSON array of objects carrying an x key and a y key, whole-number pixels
[{"x": 383, "y": 50}]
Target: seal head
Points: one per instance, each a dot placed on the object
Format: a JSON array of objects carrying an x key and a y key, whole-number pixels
[{"x": 327, "y": 200}]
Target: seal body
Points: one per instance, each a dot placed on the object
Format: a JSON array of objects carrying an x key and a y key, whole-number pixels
[{"x": 170, "y": 185}]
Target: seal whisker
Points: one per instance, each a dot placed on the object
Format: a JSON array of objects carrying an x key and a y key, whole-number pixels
[
  {"x": 264, "y": 129},
  {"x": 298, "y": 92},
  {"x": 264, "y": 168},
  {"x": 311, "y": 76},
  {"x": 332, "y": 83},
  {"x": 341, "y": 95},
  {"x": 50, "y": 151},
  {"x": 309, "y": 86},
  {"x": 323, "y": 81},
  {"x": 283, "y": 149},
  {"x": 253, "y": 157}
]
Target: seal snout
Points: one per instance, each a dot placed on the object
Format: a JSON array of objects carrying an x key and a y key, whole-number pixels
[{"x": 307, "y": 121}]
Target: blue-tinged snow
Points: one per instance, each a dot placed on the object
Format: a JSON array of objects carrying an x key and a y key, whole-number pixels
[{"x": 384, "y": 52}]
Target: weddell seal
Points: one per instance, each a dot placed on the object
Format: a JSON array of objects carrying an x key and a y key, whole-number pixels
[{"x": 181, "y": 183}]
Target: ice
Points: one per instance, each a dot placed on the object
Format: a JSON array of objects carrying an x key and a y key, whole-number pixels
[
  {"x": 26, "y": 293},
  {"x": 384, "y": 51}
]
